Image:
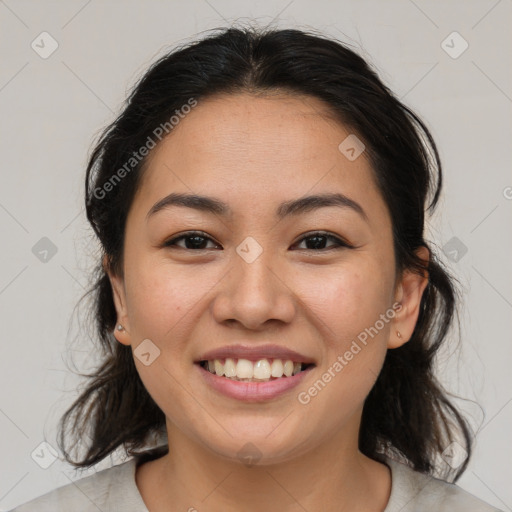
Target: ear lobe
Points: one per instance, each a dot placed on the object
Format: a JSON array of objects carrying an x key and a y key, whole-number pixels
[
  {"x": 409, "y": 294},
  {"x": 119, "y": 297}
]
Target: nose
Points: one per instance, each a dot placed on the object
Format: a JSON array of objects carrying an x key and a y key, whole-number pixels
[{"x": 255, "y": 294}]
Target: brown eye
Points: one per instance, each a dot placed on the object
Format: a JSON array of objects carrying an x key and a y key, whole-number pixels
[
  {"x": 194, "y": 240},
  {"x": 197, "y": 240},
  {"x": 319, "y": 239}
]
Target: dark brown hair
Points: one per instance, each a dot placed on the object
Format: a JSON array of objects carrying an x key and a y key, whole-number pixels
[{"x": 407, "y": 414}]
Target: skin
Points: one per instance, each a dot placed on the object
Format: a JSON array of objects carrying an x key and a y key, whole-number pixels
[{"x": 254, "y": 152}]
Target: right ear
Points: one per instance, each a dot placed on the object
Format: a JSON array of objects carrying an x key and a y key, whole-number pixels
[{"x": 119, "y": 296}]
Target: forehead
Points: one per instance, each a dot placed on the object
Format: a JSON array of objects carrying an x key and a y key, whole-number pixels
[
  {"x": 271, "y": 128},
  {"x": 250, "y": 150}
]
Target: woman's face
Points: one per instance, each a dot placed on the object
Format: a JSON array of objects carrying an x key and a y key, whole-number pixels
[{"x": 254, "y": 279}]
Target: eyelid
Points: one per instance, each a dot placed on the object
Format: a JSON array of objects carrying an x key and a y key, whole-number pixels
[
  {"x": 188, "y": 234},
  {"x": 339, "y": 241}
]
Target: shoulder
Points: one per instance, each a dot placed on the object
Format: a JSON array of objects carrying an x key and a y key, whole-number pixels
[
  {"x": 107, "y": 490},
  {"x": 412, "y": 491}
]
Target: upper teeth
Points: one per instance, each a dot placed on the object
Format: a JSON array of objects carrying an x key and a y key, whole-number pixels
[{"x": 261, "y": 370}]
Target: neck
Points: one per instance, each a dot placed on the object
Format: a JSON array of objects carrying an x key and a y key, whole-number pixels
[{"x": 334, "y": 476}]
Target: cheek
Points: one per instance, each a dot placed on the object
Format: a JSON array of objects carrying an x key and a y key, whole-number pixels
[
  {"x": 346, "y": 301},
  {"x": 159, "y": 299},
  {"x": 353, "y": 355},
  {"x": 348, "y": 309},
  {"x": 161, "y": 308}
]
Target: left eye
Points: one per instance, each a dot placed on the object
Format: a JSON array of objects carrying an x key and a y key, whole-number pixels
[
  {"x": 319, "y": 235},
  {"x": 198, "y": 239}
]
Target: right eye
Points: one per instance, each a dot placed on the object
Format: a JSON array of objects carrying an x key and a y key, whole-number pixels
[{"x": 197, "y": 239}]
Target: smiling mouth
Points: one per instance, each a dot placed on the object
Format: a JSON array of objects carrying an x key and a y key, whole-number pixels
[{"x": 263, "y": 370}]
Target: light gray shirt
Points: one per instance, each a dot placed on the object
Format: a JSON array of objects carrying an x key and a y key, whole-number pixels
[{"x": 114, "y": 489}]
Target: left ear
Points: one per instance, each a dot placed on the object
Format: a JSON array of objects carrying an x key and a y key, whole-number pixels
[{"x": 409, "y": 293}]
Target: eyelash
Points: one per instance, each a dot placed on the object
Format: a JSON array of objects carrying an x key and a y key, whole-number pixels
[{"x": 340, "y": 244}]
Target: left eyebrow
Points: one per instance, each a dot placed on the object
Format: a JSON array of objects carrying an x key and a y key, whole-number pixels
[{"x": 293, "y": 207}]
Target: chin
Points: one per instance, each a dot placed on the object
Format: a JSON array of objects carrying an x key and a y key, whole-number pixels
[{"x": 257, "y": 446}]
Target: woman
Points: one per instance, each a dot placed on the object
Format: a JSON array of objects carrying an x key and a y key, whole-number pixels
[{"x": 266, "y": 300}]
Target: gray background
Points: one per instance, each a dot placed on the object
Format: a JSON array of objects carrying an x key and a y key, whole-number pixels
[{"x": 52, "y": 108}]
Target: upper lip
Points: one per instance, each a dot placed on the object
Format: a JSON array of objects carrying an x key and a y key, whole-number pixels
[{"x": 255, "y": 353}]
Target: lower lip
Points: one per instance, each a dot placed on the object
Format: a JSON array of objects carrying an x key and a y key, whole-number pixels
[{"x": 252, "y": 391}]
